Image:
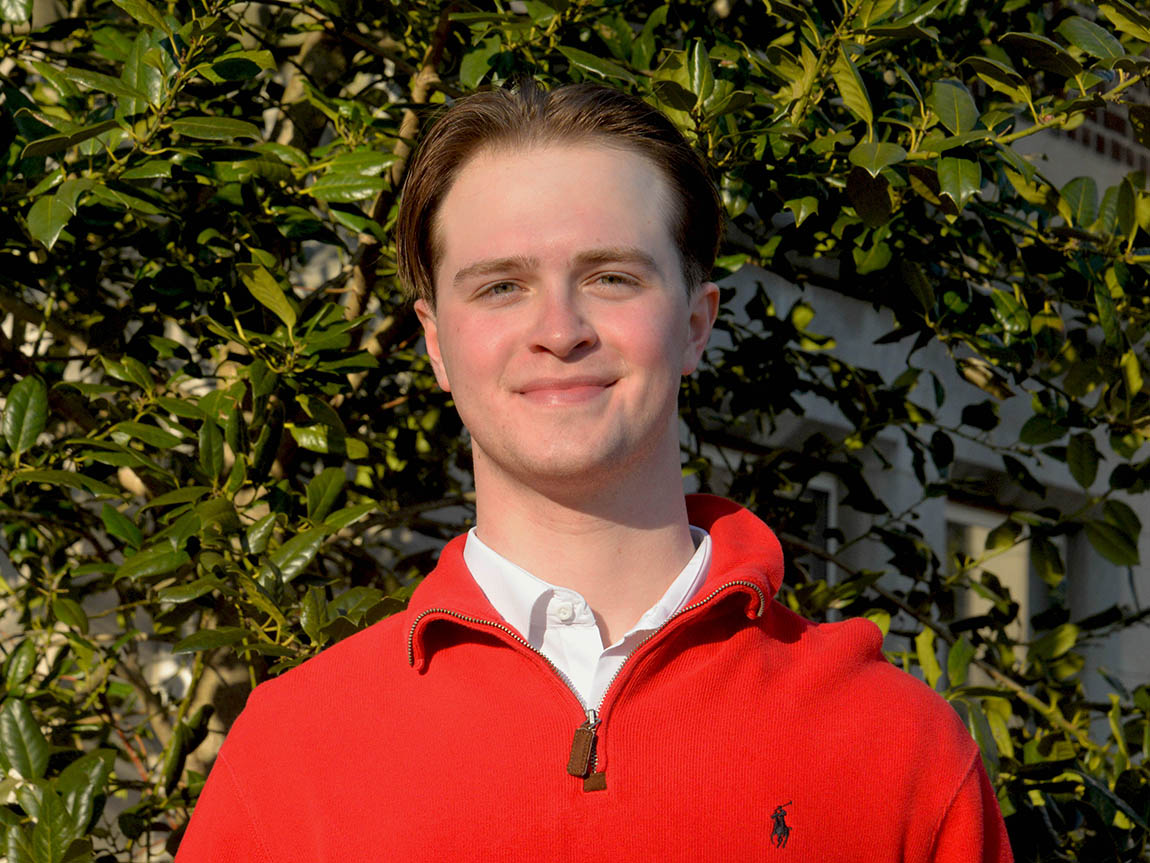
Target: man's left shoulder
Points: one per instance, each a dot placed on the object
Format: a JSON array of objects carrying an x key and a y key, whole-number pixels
[{"x": 842, "y": 666}]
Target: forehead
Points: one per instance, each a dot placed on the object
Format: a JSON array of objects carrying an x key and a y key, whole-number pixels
[{"x": 551, "y": 202}]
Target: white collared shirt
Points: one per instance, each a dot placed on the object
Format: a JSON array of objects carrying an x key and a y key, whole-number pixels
[{"x": 559, "y": 623}]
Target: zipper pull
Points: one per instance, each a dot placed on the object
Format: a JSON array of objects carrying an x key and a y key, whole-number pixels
[{"x": 583, "y": 746}]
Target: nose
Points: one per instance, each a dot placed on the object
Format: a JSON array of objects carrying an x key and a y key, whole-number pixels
[{"x": 562, "y": 327}]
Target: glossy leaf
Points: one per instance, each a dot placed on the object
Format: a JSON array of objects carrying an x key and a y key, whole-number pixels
[
  {"x": 290, "y": 559},
  {"x": 1096, "y": 41},
  {"x": 954, "y": 105},
  {"x": 25, "y": 413},
  {"x": 1043, "y": 53},
  {"x": 927, "y": 659},
  {"x": 1081, "y": 196},
  {"x": 852, "y": 89},
  {"x": 959, "y": 179},
  {"x": 210, "y": 639},
  {"x": 1082, "y": 458},
  {"x": 22, "y": 743},
  {"x": 216, "y": 128},
  {"x": 873, "y": 156},
  {"x": 346, "y": 187},
  {"x": 1112, "y": 543},
  {"x": 157, "y": 560},
  {"x": 1127, "y": 19},
  {"x": 264, "y": 287},
  {"x": 597, "y": 66},
  {"x": 323, "y": 491}
]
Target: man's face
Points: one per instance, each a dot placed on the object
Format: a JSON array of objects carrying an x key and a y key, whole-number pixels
[{"x": 562, "y": 324}]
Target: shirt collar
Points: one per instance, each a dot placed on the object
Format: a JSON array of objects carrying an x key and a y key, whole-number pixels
[{"x": 518, "y": 595}]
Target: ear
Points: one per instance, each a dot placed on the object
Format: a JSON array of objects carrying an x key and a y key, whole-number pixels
[
  {"x": 431, "y": 339},
  {"x": 702, "y": 308}
]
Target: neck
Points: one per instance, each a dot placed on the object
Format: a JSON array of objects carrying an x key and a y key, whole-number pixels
[{"x": 619, "y": 547}]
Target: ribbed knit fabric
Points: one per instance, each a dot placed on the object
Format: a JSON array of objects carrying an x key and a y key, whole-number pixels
[{"x": 738, "y": 732}]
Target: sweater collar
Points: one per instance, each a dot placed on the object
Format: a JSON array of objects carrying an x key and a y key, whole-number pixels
[{"x": 745, "y": 555}]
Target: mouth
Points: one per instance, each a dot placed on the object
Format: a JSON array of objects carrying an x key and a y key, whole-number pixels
[{"x": 564, "y": 391}]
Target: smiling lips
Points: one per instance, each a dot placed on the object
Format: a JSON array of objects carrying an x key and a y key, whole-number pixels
[{"x": 564, "y": 391}]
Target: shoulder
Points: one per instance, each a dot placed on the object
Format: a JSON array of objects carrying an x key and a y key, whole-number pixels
[
  {"x": 842, "y": 667},
  {"x": 337, "y": 682}
]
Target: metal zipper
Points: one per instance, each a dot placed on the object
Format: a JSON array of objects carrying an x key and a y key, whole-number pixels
[{"x": 584, "y": 757}]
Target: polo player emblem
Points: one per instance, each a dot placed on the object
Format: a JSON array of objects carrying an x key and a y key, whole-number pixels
[{"x": 782, "y": 831}]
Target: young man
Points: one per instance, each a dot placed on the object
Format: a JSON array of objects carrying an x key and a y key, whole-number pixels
[{"x": 597, "y": 671}]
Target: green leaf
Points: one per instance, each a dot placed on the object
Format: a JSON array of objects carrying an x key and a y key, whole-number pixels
[
  {"x": 958, "y": 661},
  {"x": 103, "y": 83},
  {"x": 959, "y": 179},
  {"x": 1107, "y": 315},
  {"x": 313, "y": 613},
  {"x": 1081, "y": 196},
  {"x": 22, "y": 743},
  {"x": 70, "y": 613},
  {"x": 1043, "y": 53},
  {"x": 1113, "y": 543},
  {"x": 1000, "y": 77},
  {"x": 1056, "y": 642},
  {"x": 1132, "y": 372},
  {"x": 1127, "y": 19},
  {"x": 1010, "y": 313},
  {"x": 56, "y": 143},
  {"x": 54, "y": 830},
  {"x": 324, "y": 439},
  {"x": 1090, "y": 38},
  {"x": 188, "y": 592},
  {"x": 851, "y": 88},
  {"x": 871, "y": 260},
  {"x": 119, "y": 525},
  {"x": 157, "y": 560},
  {"x": 874, "y": 156},
  {"x": 209, "y": 639},
  {"x": 1082, "y": 458},
  {"x": 803, "y": 208},
  {"x": 179, "y": 495},
  {"x": 259, "y": 534},
  {"x": 25, "y": 413},
  {"x": 145, "y": 13},
  {"x": 700, "y": 77},
  {"x": 267, "y": 291},
  {"x": 348, "y": 515},
  {"x": 476, "y": 63},
  {"x": 47, "y": 219},
  {"x": 215, "y": 128},
  {"x": 596, "y": 65},
  {"x": 294, "y": 555},
  {"x": 1040, "y": 429},
  {"x": 323, "y": 491},
  {"x": 149, "y": 434},
  {"x": 344, "y": 188},
  {"x": 68, "y": 479},
  {"x": 211, "y": 449},
  {"x": 954, "y": 105},
  {"x": 1124, "y": 518},
  {"x": 16, "y": 11},
  {"x": 81, "y": 782},
  {"x": 927, "y": 660}
]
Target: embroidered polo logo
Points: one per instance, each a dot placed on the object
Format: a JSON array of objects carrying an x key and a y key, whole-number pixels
[{"x": 782, "y": 830}]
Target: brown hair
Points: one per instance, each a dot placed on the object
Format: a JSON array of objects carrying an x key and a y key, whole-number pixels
[{"x": 529, "y": 116}]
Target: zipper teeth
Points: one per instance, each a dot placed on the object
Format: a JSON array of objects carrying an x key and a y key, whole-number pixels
[{"x": 686, "y": 608}]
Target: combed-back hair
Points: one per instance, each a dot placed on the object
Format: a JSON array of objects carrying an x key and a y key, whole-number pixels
[{"x": 529, "y": 116}]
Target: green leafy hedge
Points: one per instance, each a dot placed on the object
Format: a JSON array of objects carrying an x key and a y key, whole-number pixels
[{"x": 223, "y": 450}]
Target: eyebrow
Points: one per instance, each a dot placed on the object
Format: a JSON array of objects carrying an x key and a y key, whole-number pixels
[{"x": 589, "y": 258}]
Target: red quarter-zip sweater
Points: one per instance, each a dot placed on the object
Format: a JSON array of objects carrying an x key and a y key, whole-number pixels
[{"x": 738, "y": 731}]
